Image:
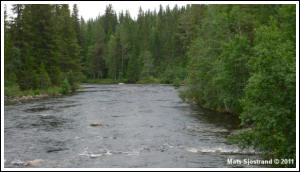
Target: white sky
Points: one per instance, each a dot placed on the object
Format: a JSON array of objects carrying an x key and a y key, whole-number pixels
[{"x": 91, "y": 9}]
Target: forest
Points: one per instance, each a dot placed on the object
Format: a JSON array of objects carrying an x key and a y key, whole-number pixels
[{"x": 236, "y": 59}]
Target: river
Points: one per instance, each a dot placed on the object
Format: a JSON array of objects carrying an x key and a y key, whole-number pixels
[{"x": 145, "y": 126}]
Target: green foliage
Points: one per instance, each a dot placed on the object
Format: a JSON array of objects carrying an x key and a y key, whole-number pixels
[
  {"x": 45, "y": 81},
  {"x": 177, "y": 82},
  {"x": 173, "y": 75},
  {"x": 40, "y": 46},
  {"x": 103, "y": 81},
  {"x": 65, "y": 87},
  {"x": 270, "y": 96},
  {"x": 149, "y": 80},
  {"x": 133, "y": 69},
  {"x": 232, "y": 73},
  {"x": 121, "y": 47},
  {"x": 12, "y": 90},
  {"x": 241, "y": 64},
  {"x": 148, "y": 67},
  {"x": 112, "y": 58},
  {"x": 244, "y": 139}
]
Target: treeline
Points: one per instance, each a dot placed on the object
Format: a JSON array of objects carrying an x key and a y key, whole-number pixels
[
  {"x": 239, "y": 59},
  {"x": 47, "y": 46},
  {"x": 42, "y": 48},
  {"x": 151, "y": 47}
]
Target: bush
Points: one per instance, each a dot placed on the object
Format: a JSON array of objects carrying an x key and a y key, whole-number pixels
[
  {"x": 173, "y": 75},
  {"x": 65, "y": 87},
  {"x": 177, "y": 82},
  {"x": 74, "y": 78},
  {"x": 12, "y": 90},
  {"x": 269, "y": 105},
  {"x": 149, "y": 79}
]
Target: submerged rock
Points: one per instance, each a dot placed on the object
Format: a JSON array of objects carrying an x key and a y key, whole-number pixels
[
  {"x": 95, "y": 124},
  {"x": 220, "y": 130},
  {"x": 196, "y": 127},
  {"x": 33, "y": 162},
  {"x": 103, "y": 108}
]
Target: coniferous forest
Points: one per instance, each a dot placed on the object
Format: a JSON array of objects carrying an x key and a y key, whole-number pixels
[{"x": 237, "y": 59}]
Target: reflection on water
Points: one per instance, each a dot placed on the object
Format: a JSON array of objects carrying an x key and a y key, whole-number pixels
[{"x": 147, "y": 126}]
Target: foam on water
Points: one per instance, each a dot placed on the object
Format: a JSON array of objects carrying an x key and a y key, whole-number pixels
[{"x": 227, "y": 150}]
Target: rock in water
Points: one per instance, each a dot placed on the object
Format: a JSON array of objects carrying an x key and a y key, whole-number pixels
[
  {"x": 33, "y": 162},
  {"x": 121, "y": 83},
  {"x": 95, "y": 124},
  {"x": 103, "y": 108},
  {"x": 220, "y": 130},
  {"x": 196, "y": 127}
]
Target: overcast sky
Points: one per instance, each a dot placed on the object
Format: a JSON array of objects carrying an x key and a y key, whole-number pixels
[{"x": 91, "y": 9}]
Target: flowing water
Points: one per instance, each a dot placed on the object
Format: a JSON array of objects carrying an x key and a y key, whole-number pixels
[{"x": 143, "y": 126}]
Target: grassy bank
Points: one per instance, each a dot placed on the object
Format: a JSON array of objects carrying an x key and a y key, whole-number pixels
[
  {"x": 149, "y": 80},
  {"x": 103, "y": 81},
  {"x": 14, "y": 91}
]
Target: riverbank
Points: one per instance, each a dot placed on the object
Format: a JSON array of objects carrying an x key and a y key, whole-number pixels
[
  {"x": 102, "y": 81},
  {"x": 112, "y": 81},
  {"x": 187, "y": 97},
  {"x": 28, "y": 97},
  {"x": 14, "y": 94},
  {"x": 149, "y": 80}
]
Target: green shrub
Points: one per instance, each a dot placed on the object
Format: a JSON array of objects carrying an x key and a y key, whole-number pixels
[
  {"x": 53, "y": 90},
  {"x": 12, "y": 90},
  {"x": 65, "y": 87},
  {"x": 173, "y": 75},
  {"x": 149, "y": 79},
  {"x": 176, "y": 82}
]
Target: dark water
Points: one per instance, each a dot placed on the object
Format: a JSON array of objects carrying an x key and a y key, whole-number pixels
[{"x": 147, "y": 126}]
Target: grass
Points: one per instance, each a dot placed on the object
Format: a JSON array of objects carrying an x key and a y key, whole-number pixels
[
  {"x": 14, "y": 91},
  {"x": 103, "y": 81},
  {"x": 149, "y": 80}
]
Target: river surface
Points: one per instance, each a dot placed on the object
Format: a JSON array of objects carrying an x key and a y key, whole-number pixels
[{"x": 145, "y": 126}]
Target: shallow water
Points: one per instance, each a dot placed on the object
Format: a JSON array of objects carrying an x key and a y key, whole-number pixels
[{"x": 147, "y": 126}]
